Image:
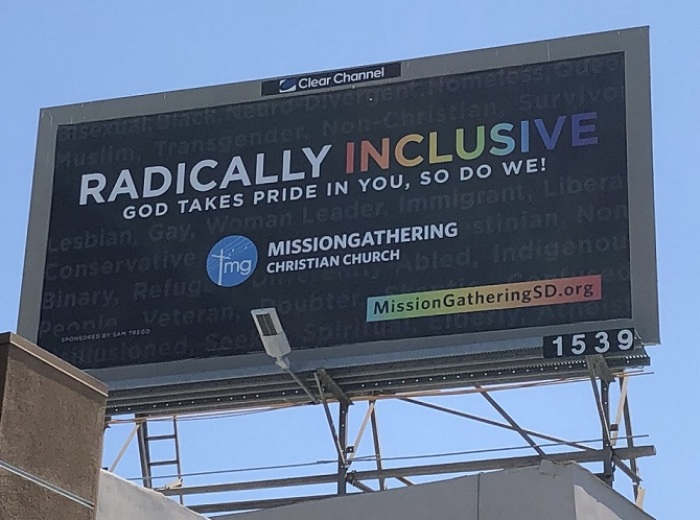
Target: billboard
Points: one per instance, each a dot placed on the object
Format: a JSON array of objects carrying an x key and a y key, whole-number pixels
[{"x": 443, "y": 202}]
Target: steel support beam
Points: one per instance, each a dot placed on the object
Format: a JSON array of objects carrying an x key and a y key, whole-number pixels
[
  {"x": 433, "y": 469},
  {"x": 636, "y": 485},
  {"x": 144, "y": 452},
  {"x": 507, "y": 463},
  {"x": 494, "y": 423},
  {"x": 340, "y": 436},
  {"x": 359, "y": 485},
  {"x": 619, "y": 463},
  {"x": 598, "y": 368},
  {"x": 340, "y": 450},
  {"x": 343, "y": 443},
  {"x": 510, "y": 420},
  {"x": 125, "y": 446},
  {"x": 301, "y": 384},
  {"x": 377, "y": 447},
  {"x": 599, "y": 403},
  {"x": 360, "y": 433},
  {"x": 624, "y": 385},
  {"x": 331, "y": 385},
  {"x": 608, "y": 466}
]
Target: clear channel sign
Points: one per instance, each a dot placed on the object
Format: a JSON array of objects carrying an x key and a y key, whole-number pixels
[{"x": 470, "y": 198}]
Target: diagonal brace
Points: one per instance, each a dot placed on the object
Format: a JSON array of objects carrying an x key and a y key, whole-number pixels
[{"x": 511, "y": 421}]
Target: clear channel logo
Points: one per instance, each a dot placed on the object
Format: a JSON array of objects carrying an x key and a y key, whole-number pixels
[
  {"x": 288, "y": 85},
  {"x": 232, "y": 260},
  {"x": 332, "y": 78}
]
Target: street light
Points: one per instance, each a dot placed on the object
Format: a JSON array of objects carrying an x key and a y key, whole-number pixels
[
  {"x": 272, "y": 335},
  {"x": 276, "y": 344}
]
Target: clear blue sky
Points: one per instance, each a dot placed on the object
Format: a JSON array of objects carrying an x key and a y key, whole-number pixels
[{"x": 56, "y": 53}]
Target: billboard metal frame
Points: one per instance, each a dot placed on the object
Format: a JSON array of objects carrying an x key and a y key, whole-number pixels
[
  {"x": 616, "y": 450},
  {"x": 414, "y": 363}
]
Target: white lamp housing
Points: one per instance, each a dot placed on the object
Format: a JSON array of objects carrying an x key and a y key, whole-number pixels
[{"x": 273, "y": 338}]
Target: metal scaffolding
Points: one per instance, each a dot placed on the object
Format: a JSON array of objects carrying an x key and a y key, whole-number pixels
[{"x": 613, "y": 451}]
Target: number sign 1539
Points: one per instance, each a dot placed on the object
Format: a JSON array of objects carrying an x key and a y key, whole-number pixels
[{"x": 588, "y": 343}]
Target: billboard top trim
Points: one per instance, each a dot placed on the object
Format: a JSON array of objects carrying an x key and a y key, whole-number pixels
[{"x": 490, "y": 57}]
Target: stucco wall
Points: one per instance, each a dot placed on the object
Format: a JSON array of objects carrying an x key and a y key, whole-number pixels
[
  {"x": 547, "y": 492},
  {"x": 119, "y": 499}
]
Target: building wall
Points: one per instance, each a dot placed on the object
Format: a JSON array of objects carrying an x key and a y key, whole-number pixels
[
  {"x": 122, "y": 500},
  {"x": 547, "y": 492},
  {"x": 51, "y": 425}
]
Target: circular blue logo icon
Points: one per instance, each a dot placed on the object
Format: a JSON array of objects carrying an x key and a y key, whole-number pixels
[
  {"x": 288, "y": 85},
  {"x": 232, "y": 261}
]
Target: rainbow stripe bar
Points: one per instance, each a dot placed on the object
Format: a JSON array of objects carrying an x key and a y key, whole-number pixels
[{"x": 484, "y": 298}]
